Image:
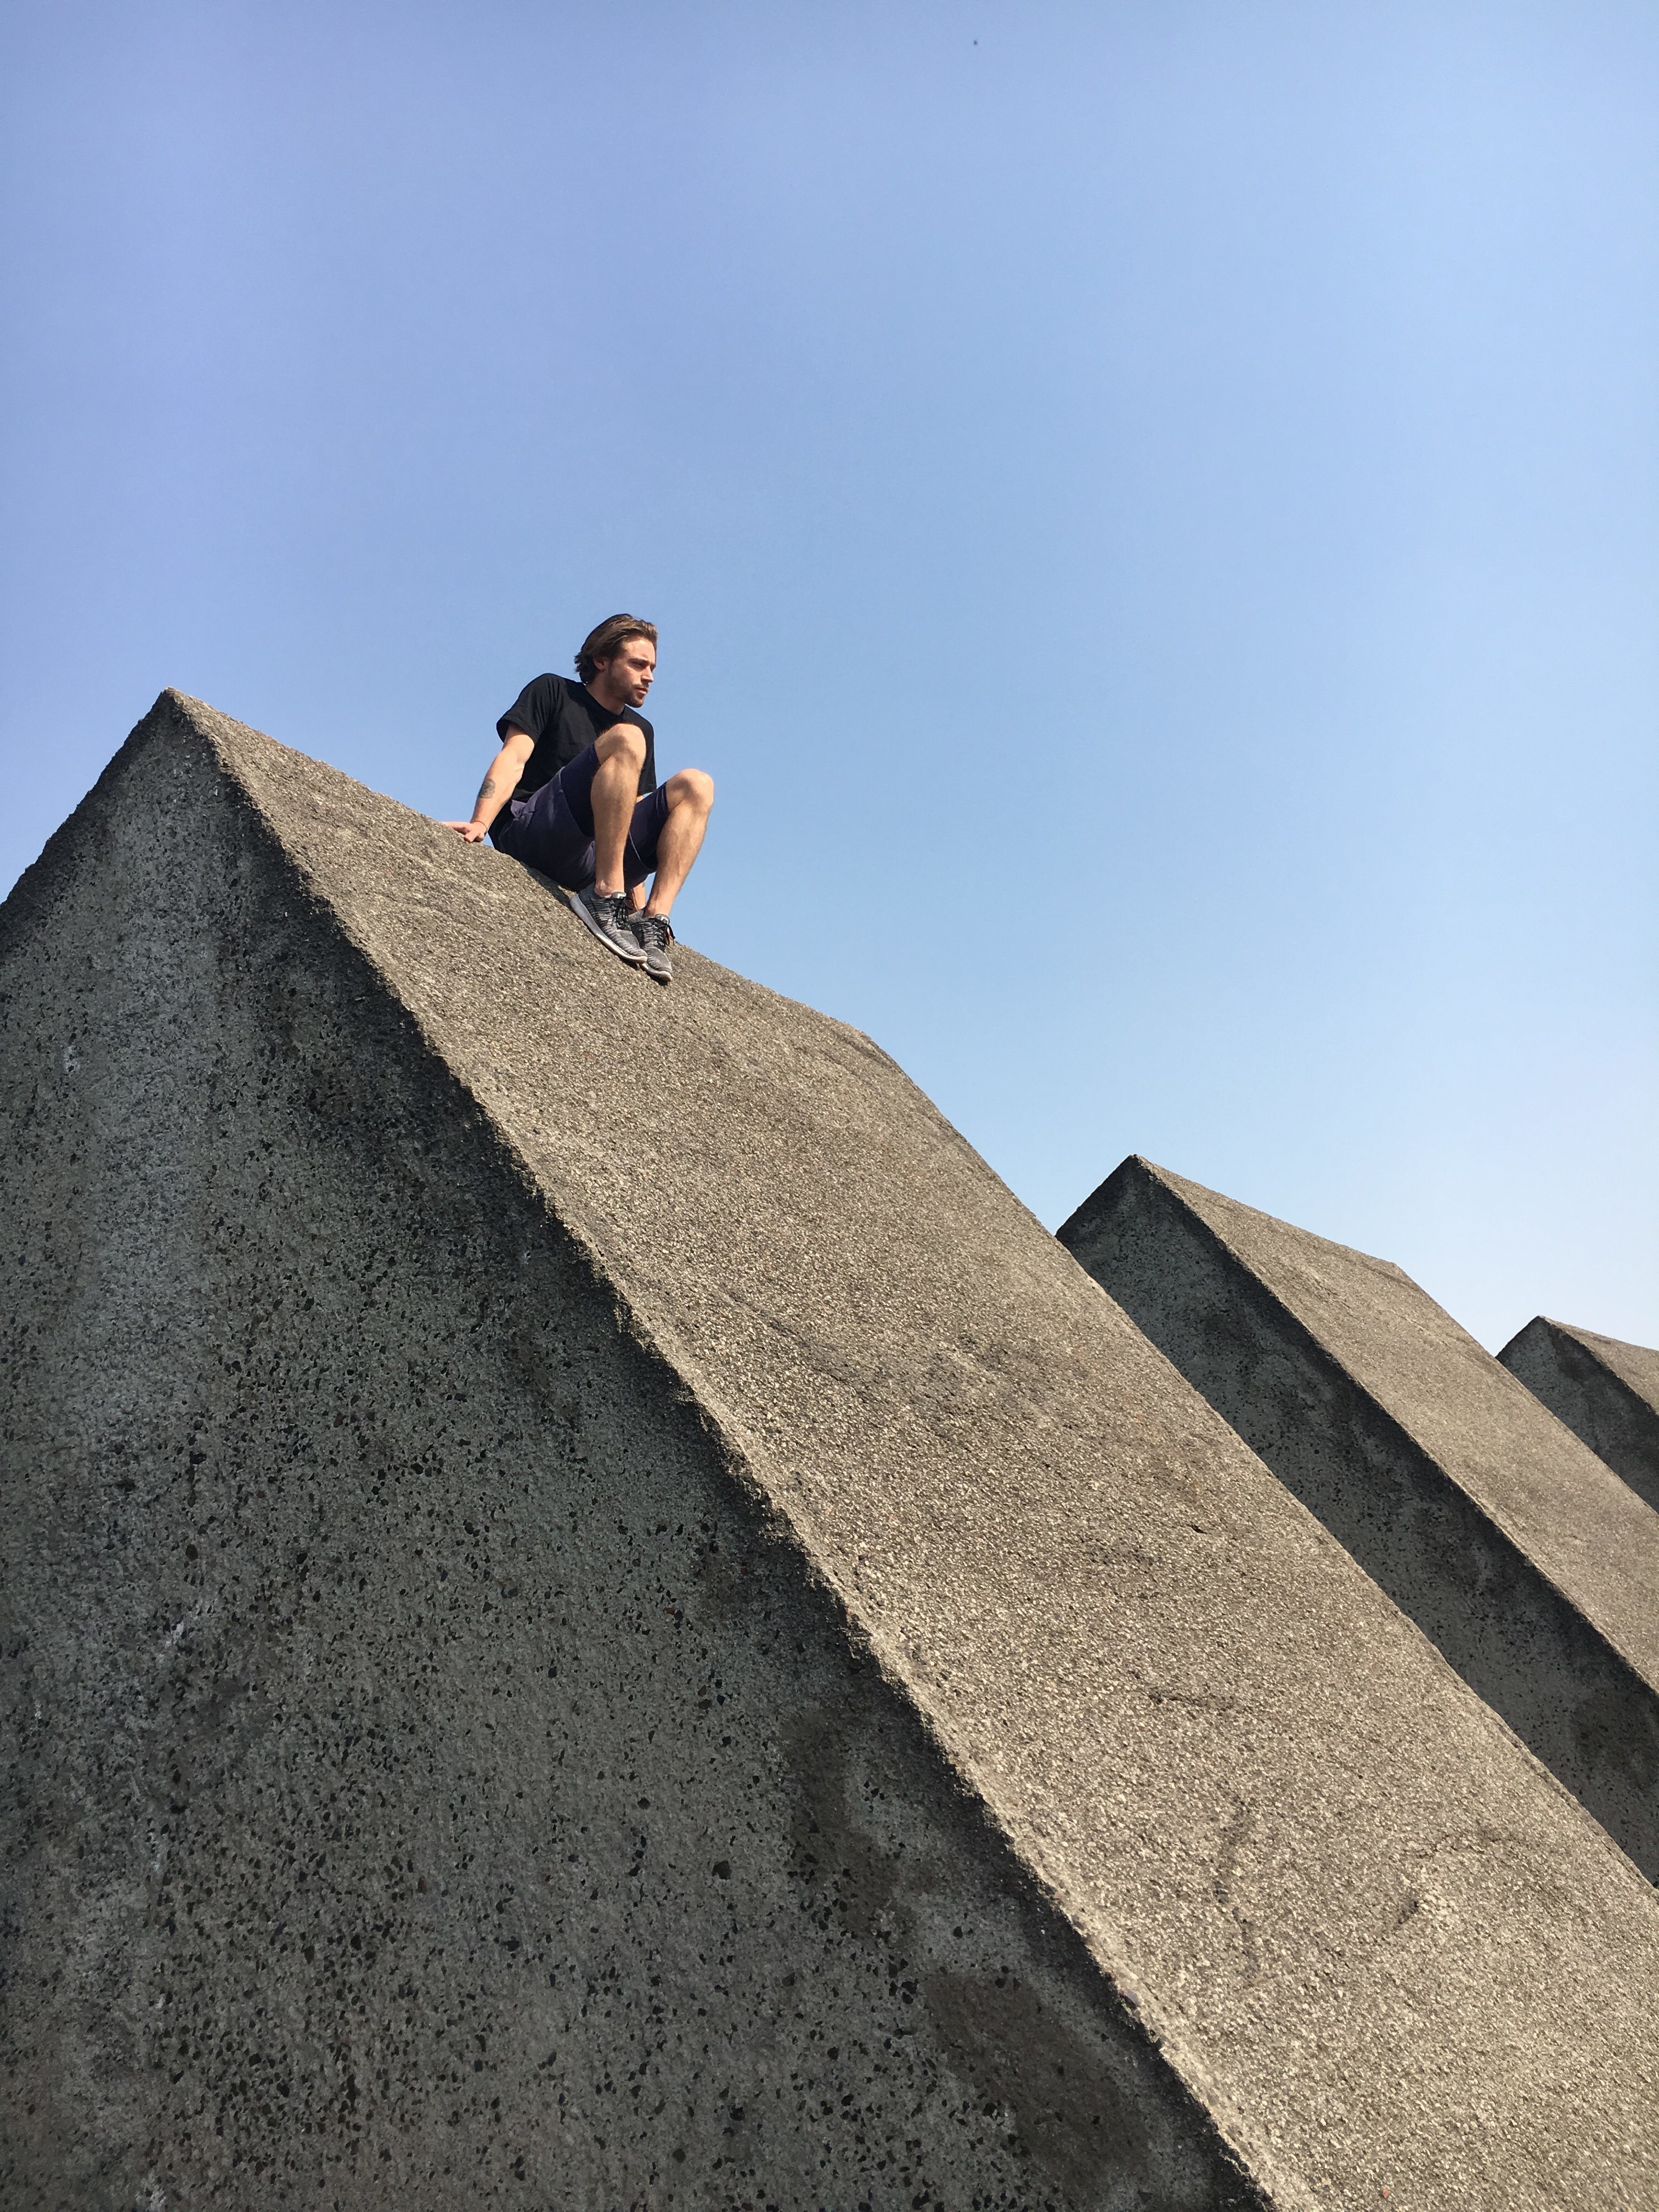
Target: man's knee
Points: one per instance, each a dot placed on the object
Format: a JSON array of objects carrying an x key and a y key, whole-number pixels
[
  {"x": 689, "y": 787},
  {"x": 621, "y": 741}
]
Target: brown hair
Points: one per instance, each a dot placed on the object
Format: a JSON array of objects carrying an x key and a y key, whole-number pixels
[{"x": 603, "y": 643}]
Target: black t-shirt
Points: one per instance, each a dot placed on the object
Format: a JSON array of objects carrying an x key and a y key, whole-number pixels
[{"x": 564, "y": 718}]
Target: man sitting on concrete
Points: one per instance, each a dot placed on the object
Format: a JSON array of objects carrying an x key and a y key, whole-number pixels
[{"x": 573, "y": 794}]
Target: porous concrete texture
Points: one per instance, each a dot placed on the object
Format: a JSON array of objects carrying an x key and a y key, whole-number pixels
[
  {"x": 1607, "y": 1394},
  {"x": 597, "y": 1617},
  {"x": 1517, "y": 1551}
]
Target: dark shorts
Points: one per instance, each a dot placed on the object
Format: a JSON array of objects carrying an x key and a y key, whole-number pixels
[{"x": 552, "y": 831}]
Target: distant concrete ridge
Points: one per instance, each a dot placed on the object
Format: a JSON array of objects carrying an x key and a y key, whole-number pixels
[
  {"x": 1607, "y": 1394},
  {"x": 599, "y": 1617},
  {"x": 1530, "y": 1564}
]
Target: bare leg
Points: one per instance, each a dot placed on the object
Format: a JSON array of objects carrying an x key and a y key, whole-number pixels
[
  {"x": 689, "y": 794},
  {"x": 621, "y": 749}
]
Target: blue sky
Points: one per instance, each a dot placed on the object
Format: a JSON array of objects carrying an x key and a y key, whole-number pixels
[{"x": 1153, "y": 512}]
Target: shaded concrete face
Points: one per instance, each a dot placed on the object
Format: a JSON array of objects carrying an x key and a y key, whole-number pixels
[
  {"x": 579, "y": 1404},
  {"x": 1514, "y": 1549},
  {"x": 1607, "y": 1394}
]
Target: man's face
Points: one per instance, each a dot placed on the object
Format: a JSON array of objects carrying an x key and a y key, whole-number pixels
[{"x": 631, "y": 669}]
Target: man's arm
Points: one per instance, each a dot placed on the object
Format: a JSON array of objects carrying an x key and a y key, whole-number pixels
[{"x": 501, "y": 782}]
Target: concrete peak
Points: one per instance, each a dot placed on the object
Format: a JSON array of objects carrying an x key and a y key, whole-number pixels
[{"x": 620, "y": 1456}]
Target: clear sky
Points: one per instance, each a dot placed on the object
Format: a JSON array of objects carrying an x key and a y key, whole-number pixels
[{"x": 1153, "y": 511}]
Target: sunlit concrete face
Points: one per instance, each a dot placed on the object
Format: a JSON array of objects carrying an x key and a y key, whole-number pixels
[{"x": 657, "y": 1640}]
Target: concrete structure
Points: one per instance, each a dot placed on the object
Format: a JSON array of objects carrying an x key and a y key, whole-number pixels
[
  {"x": 598, "y": 1617},
  {"x": 1528, "y": 1563},
  {"x": 1607, "y": 1394}
]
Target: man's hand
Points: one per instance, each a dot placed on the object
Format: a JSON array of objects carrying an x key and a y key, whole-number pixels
[{"x": 474, "y": 832}]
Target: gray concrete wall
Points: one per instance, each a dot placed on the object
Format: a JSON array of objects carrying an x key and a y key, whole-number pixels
[
  {"x": 1607, "y": 1394},
  {"x": 1514, "y": 1549},
  {"x": 433, "y": 1778},
  {"x": 598, "y": 1641}
]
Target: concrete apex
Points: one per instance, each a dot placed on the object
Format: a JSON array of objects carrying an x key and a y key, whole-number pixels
[
  {"x": 1606, "y": 1392},
  {"x": 432, "y": 1261}
]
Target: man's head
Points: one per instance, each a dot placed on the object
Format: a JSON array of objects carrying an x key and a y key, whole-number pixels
[{"x": 621, "y": 653}]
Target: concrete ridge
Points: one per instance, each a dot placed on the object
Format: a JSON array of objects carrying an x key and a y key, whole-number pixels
[
  {"x": 1606, "y": 1391},
  {"x": 781, "y": 1494},
  {"x": 756, "y": 1470},
  {"x": 1378, "y": 1412},
  {"x": 1625, "y": 1613},
  {"x": 1371, "y": 1938},
  {"x": 1636, "y": 1366},
  {"x": 746, "y": 1457}
]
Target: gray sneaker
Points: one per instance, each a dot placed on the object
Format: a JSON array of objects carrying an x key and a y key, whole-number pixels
[
  {"x": 654, "y": 937},
  {"x": 608, "y": 919}
]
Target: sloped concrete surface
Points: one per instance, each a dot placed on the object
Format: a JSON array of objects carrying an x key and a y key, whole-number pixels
[
  {"x": 599, "y": 1617},
  {"x": 1607, "y": 1394},
  {"x": 1519, "y": 1552}
]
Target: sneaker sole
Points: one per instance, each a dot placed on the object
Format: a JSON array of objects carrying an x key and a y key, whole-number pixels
[{"x": 633, "y": 954}]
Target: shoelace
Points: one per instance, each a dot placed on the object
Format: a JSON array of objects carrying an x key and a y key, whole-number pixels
[{"x": 654, "y": 931}]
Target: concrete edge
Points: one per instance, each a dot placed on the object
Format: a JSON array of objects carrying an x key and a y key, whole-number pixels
[
  {"x": 1594, "y": 1347},
  {"x": 1163, "y": 1179},
  {"x": 176, "y": 714}
]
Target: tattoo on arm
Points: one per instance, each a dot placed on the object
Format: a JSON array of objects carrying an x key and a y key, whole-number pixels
[{"x": 487, "y": 789}]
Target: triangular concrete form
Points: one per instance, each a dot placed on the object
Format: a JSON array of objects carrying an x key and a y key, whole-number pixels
[
  {"x": 599, "y": 1617},
  {"x": 1607, "y": 1394},
  {"x": 1528, "y": 1563}
]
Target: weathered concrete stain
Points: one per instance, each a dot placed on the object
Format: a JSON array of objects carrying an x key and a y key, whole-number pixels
[{"x": 1067, "y": 2113}]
